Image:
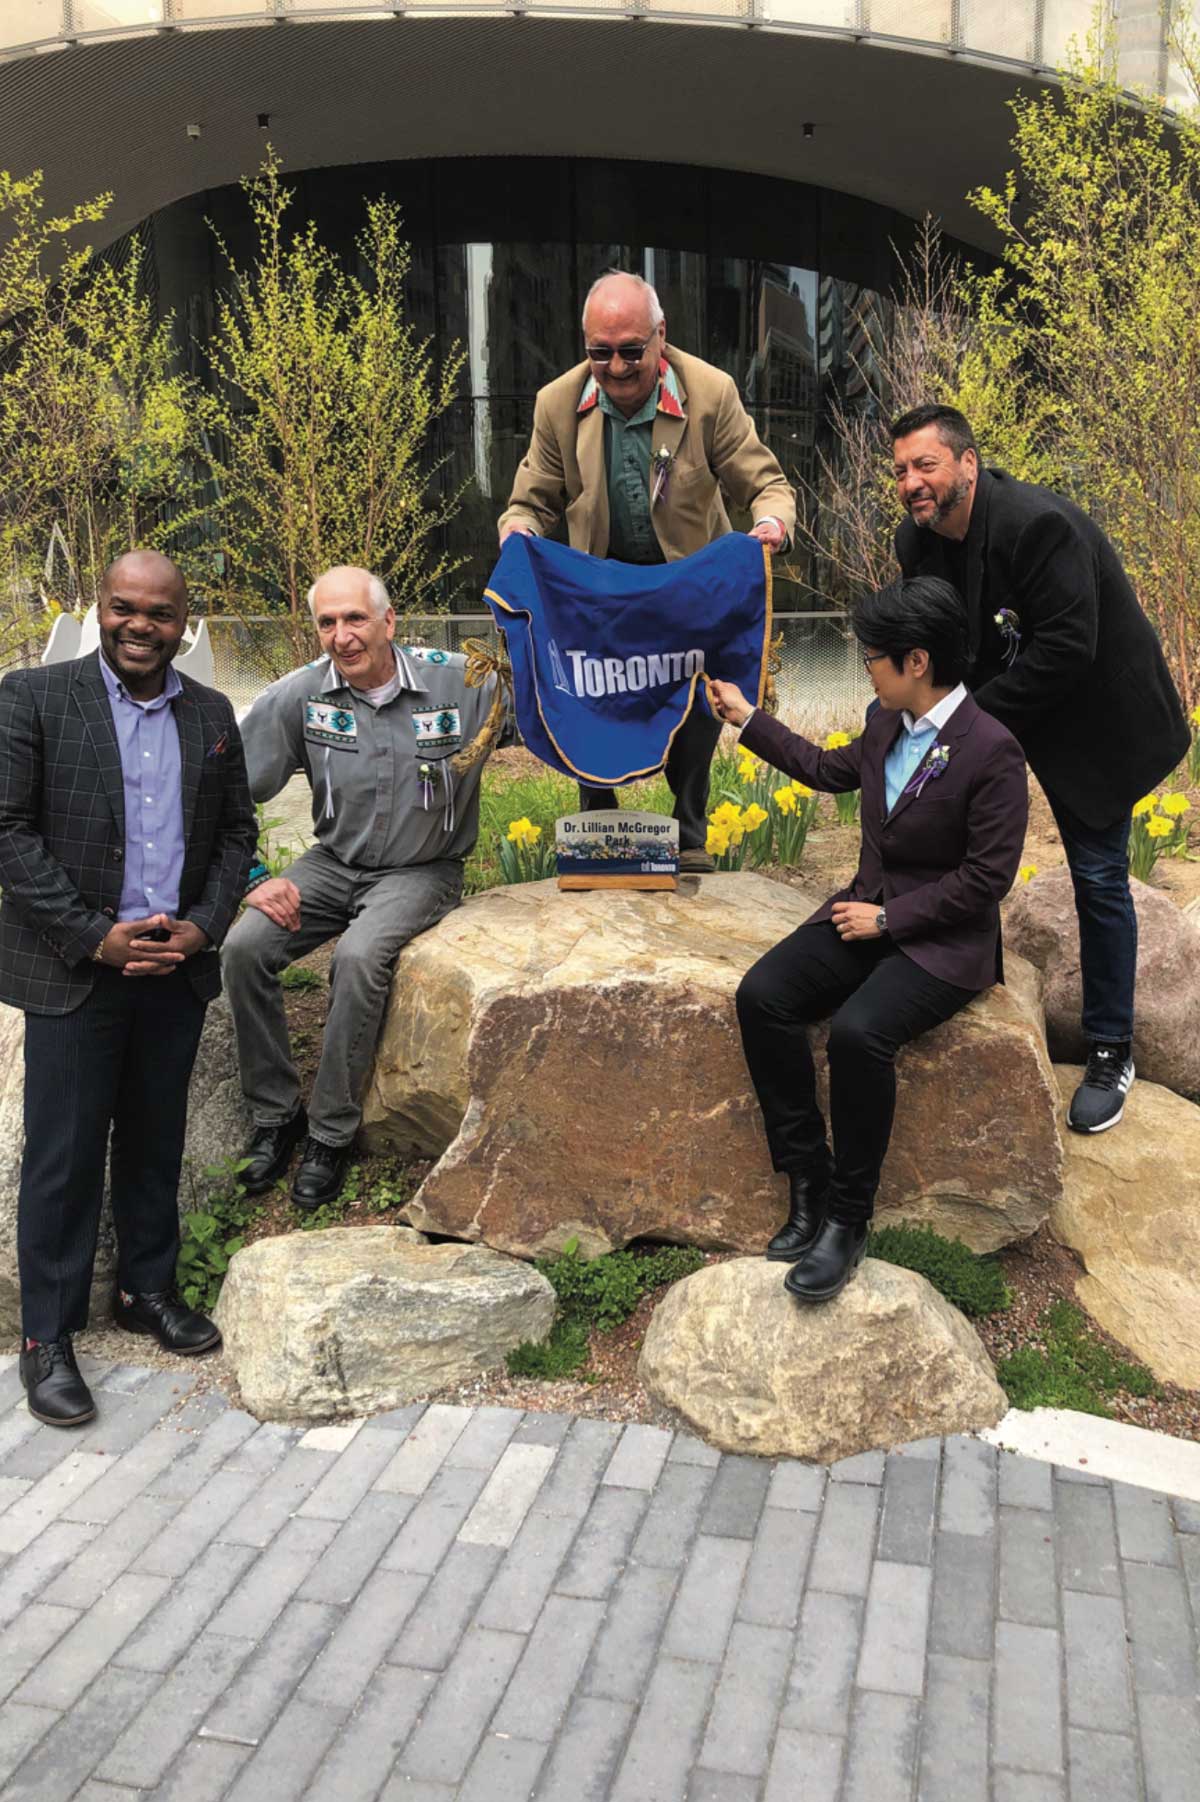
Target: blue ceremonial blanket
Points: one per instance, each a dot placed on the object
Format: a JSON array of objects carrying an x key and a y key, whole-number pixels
[{"x": 609, "y": 658}]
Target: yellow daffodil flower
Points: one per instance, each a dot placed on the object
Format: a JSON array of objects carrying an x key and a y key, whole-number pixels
[
  {"x": 524, "y": 833},
  {"x": 802, "y": 789},
  {"x": 1196, "y": 716},
  {"x": 785, "y": 800},
  {"x": 1026, "y": 871},
  {"x": 716, "y": 842},
  {"x": 1158, "y": 827},
  {"x": 727, "y": 815},
  {"x": 747, "y": 767},
  {"x": 836, "y": 740},
  {"x": 1147, "y": 804},
  {"x": 753, "y": 817},
  {"x": 1176, "y": 805}
]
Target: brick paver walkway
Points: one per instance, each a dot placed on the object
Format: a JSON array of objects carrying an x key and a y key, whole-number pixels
[{"x": 454, "y": 1603}]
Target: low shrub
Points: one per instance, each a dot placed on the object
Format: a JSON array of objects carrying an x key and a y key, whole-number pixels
[
  {"x": 595, "y": 1293},
  {"x": 974, "y": 1284},
  {"x": 1071, "y": 1368}
]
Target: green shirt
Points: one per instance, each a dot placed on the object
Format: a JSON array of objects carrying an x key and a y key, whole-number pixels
[{"x": 627, "y": 442}]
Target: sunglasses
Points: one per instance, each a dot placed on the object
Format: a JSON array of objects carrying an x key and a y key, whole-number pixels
[{"x": 604, "y": 353}]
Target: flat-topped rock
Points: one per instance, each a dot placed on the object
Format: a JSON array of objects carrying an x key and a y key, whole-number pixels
[
  {"x": 1131, "y": 1209},
  {"x": 351, "y": 1320},
  {"x": 575, "y": 1060},
  {"x": 751, "y": 1370},
  {"x": 1040, "y": 923}
]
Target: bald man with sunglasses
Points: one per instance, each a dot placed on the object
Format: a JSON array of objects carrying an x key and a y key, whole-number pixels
[{"x": 637, "y": 449}]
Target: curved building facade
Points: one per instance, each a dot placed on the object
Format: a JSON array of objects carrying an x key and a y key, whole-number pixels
[{"x": 761, "y": 161}]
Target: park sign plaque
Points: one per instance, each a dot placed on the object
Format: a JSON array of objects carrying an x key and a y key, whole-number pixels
[{"x": 613, "y": 848}]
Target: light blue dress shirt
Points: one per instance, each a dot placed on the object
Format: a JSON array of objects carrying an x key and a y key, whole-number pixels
[
  {"x": 913, "y": 740},
  {"x": 148, "y": 740}
]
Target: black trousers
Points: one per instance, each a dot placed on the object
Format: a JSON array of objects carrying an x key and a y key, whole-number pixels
[
  {"x": 687, "y": 768},
  {"x": 879, "y": 1000},
  {"x": 123, "y": 1060}
]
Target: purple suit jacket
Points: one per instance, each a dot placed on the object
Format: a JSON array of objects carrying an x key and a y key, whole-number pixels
[{"x": 943, "y": 860}]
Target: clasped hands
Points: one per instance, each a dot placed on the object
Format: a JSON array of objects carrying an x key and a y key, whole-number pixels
[{"x": 126, "y": 948}]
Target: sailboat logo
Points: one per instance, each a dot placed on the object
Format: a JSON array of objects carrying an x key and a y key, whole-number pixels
[{"x": 560, "y": 674}]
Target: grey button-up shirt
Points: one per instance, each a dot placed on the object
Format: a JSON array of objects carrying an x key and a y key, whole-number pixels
[{"x": 384, "y": 795}]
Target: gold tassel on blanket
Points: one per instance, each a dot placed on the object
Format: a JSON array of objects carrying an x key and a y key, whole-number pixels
[{"x": 483, "y": 662}]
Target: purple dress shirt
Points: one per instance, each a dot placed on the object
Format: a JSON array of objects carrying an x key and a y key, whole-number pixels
[{"x": 148, "y": 740}]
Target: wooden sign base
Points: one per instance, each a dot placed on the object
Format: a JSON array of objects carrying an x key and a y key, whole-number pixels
[{"x": 580, "y": 882}]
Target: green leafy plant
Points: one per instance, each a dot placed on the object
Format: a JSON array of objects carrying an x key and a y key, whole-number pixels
[
  {"x": 329, "y": 403},
  {"x": 562, "y": 1355},
  {"x": 974, "y": 1284},
  {"x": 300, "y": 976},
  {"x": 595, "y": 1293},
  {"x": 1071, "y": 1368},
  {"x": 211, "y": 1232},
  {"x": 363, "y": 1192},
  {"x": 277, "y": 855}
]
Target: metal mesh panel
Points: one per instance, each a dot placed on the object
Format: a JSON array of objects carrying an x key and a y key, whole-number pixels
[{"x": 822, "y": 681}]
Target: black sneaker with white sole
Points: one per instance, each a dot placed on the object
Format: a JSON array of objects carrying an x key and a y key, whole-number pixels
[{"x": 1099, "y": 1101}]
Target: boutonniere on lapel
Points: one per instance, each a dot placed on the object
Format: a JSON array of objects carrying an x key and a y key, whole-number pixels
[
  {"x": 1008, "y": 625},
  {"x": 660, "y": 472},
  {"x": 933, "y": 766}
]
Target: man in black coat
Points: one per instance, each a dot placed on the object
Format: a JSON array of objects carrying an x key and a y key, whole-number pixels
[
  {"x": 1062, "y": 654},
  {"x": 126, "y": 835}
]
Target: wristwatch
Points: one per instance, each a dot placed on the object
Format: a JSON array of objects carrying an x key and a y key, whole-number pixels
[{"x": 881, "y": 920}]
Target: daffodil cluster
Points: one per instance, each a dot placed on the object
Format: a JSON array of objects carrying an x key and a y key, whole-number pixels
[
  {"x": 728, "y": 827},
  {"x": 846, "y": 805},
  {"x": 526, "y": 855},
  {"x": 524, "y": 834},
  {"x": 1160, "y": 828}
]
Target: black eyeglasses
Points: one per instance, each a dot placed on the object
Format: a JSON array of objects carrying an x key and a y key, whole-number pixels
[
  {"x": 604, "y": 353},
  {"x": 874, "y": 658}
]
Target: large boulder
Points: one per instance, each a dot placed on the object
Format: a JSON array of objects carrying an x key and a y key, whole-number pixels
[
  {"x": 1040, "y": 923},
  {"x": 751, "y": 1370},
  {"x": 322, "y": 1325},
  {"x": 218, "y": 1122},
  {"x": 575, "y": 1058},
  {"x": 1130, "y": 1207}
]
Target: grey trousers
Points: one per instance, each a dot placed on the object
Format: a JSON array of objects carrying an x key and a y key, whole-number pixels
[{"x": 376, "y": 912}]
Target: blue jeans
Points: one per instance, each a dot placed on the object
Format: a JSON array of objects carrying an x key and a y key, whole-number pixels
[{"x": 1099, "y": 863}]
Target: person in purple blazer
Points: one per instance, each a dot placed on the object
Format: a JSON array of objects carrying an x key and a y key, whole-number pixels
[{"x": 945, "y": 802}]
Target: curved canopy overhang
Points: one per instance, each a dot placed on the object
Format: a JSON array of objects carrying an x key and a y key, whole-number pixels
[{"x": 156, "y": 117}]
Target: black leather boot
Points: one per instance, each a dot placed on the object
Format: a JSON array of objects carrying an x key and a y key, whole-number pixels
[
  {"x": 806, "y": 1211},
  {"x": 57, "y": 1393},
  {"x": 829, "y": 1263},
  {"x": 269, "y": 1151},
  {"x": 322, "y": 1172}
]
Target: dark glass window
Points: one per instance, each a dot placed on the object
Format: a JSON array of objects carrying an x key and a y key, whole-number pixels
[{"x": 782, "y": 285}]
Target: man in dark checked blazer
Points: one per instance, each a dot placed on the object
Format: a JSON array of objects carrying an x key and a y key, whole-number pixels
[{"x": 126, "y": 835}]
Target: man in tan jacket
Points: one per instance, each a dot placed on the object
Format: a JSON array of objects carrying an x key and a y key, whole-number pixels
[{"x": 636, "y": 448}]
